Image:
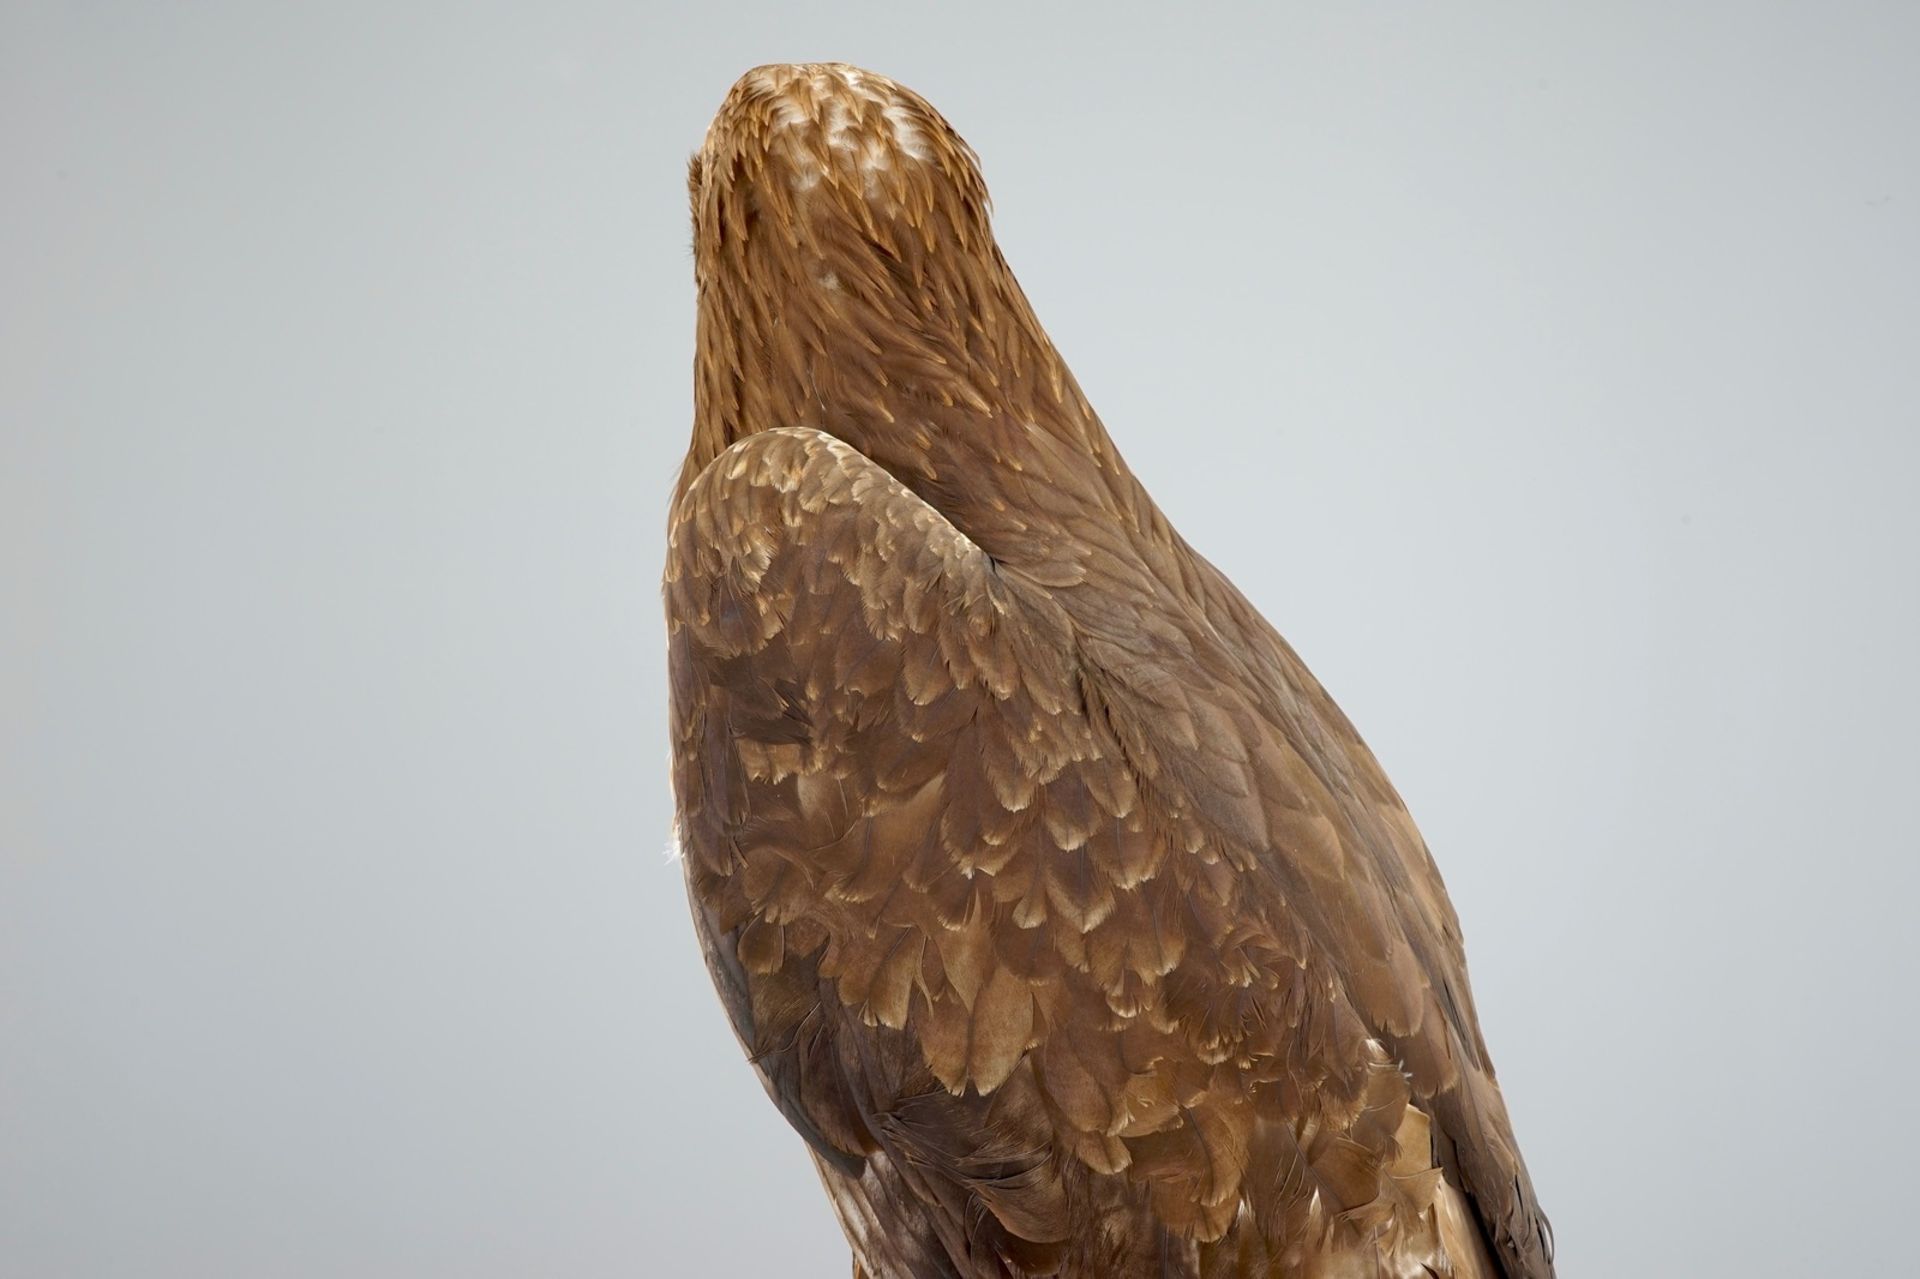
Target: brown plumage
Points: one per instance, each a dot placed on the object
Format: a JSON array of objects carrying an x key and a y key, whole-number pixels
[{"x": 1059, "y": 909}]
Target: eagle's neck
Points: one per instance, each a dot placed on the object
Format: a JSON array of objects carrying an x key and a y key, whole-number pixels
[{"x": 919, "y": 361}]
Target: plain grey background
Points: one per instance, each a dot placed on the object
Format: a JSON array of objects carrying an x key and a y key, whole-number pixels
[{"x": 1548, "y": 373}]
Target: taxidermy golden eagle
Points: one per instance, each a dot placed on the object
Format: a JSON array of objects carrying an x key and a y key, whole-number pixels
[{"x": 1057, "y": 906}]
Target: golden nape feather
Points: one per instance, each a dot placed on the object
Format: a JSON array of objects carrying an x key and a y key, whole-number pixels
[{"x": 1058, "y": 908}]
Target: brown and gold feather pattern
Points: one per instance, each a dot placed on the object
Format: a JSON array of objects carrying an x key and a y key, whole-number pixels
[{"x": 1057, "y": 906}]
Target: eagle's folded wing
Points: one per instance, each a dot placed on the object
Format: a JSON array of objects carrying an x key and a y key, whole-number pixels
[{"x": 1044, "y": 895}]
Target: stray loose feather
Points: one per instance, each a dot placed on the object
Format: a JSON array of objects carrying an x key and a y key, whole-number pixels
[{"x": 1057, "y": 906}]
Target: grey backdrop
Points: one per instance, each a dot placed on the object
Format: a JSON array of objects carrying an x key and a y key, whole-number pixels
[{"x": 1548, "y": 373}]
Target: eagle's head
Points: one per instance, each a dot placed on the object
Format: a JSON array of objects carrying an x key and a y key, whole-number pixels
[{"x": 819, "y": 151}]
